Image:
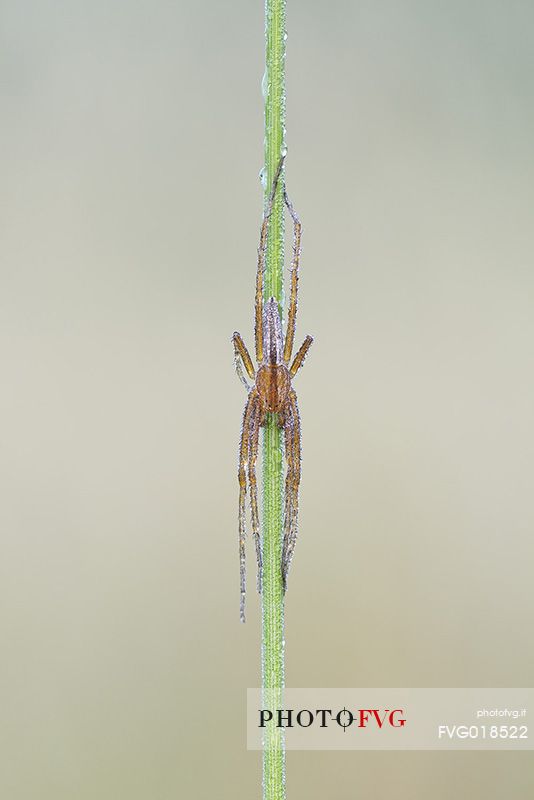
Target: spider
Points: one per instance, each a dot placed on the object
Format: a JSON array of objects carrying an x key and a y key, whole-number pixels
[{"x": 271, "y": 393}]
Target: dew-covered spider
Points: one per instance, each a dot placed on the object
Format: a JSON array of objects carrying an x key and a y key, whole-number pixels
[{"x": 271, "y": 392}]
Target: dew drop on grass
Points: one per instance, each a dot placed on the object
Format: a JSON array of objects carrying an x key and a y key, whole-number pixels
[{"x": 265, "y": 84}]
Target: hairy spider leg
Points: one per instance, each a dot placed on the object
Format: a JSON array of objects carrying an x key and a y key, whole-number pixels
[
  {"x": 296, "y": 470},
  {"x": 286, "y": 422},
  {"x": 258, "y": 325},
  {"x": 294, "y": 488},
  {"x": 241, "y": 356},
  {"x": 243, "y": 456},
  {"x": 254, "y": 437},
  {"x": 292, "y": 312},
  {"x": 292, "y": 485},
  {"x": 298, "y": 361},
  {"x": 290, "y": 452}
]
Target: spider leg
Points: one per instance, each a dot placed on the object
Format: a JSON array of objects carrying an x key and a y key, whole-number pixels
[
  {"x": 295, "y": 484},
  {"x": 298, "y": 361},
  {"x": 242, "y": 357},
  {"x": 258, "y": 326},
  {"x": 287, "y": 423},
  {"x": 244, "y": 449},
  {"x": 292, "y": 311},
  {"x": 255, "y": 424},
  {"x": 292, "y": 429}
]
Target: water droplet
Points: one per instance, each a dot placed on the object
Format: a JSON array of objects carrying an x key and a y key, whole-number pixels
[
  {"x": 263, "y": 177},
  {"x": 285, "y": 37},
  {"x": 265, "y": 84},
  {"x": 284, "y": 149}
]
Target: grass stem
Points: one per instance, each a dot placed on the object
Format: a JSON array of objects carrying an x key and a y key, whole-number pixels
[{"x": 273, "y": 593}]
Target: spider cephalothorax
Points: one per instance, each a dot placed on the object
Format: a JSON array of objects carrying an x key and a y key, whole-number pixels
[{"x": 271, "y": 393}]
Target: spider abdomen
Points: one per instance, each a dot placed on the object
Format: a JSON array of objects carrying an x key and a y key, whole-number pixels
[{"x": 273, "y": 383}]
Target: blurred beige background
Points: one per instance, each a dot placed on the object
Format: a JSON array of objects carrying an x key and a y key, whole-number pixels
[{"x": 131, "y": 144}]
